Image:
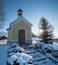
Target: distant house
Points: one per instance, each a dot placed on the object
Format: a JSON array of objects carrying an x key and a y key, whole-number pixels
[
  {"x": 3, "y": 37},
  {"x": 56, "y": 40},
  {"x": 20, "y": 30}
]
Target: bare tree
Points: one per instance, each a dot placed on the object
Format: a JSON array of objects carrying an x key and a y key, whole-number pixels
[
  {"x": 46, "y": 31},
  {"x": 2, "y": 14}
]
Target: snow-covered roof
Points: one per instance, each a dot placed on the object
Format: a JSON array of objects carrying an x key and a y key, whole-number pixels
[
  {"x": 17, "y": 20},
  {"x": 20, "y": 18}
]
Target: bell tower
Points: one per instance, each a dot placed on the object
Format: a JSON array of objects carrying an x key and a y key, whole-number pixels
[{"x": 20, "y": 12}]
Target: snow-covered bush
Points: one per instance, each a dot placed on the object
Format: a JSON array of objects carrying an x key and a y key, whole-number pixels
[
  {"x": 17, "y": 56},
  {"x": 14, "y": 60},
  {"x": 55, "y": 53},
  {"x": 14, "y": 45},
  {"x": 48, "y": 48},
  {"x": 11, "y": 59},
  {"x": 15, "y": 50},
  {"x": 19, "y": 49},
  {"x": 21, "y": 61},
  {"x": 20, "y": 58},
  {"x": 26, "y": 57},
  {"x": 39, "y": 45},
  {"x": 10, "y": 54}
]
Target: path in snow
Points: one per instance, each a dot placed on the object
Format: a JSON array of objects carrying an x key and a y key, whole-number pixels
[{"x": 3, "y": 53}]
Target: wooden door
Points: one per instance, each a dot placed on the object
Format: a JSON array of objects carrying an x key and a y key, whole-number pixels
[{"x": 21, "y": 36}]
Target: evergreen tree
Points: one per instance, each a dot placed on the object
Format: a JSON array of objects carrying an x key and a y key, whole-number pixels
[{"x": 46, "y": 31}]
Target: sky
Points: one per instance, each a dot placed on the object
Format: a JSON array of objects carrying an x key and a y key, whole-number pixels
[{"x": 33, "y": 10}]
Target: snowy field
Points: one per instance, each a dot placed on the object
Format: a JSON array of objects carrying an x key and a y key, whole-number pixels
[{"x": 39, "y": 58}]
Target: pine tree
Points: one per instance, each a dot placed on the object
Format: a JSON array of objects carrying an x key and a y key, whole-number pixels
[{"x": 46, "y": 31}]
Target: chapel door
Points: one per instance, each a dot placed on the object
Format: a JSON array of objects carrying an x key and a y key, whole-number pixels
[{"x": 21, "y": 36}]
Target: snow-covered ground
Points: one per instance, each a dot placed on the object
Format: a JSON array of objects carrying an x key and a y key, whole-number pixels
[
  {"x": 3, "y": 53},
  {"x": 39, "y": 58},
  {"x": 55, "y": 45},
  {"x": 3, "y": 41}
]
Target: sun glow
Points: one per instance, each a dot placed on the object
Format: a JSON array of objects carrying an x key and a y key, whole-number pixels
[{"x": 41, "y": 31}]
